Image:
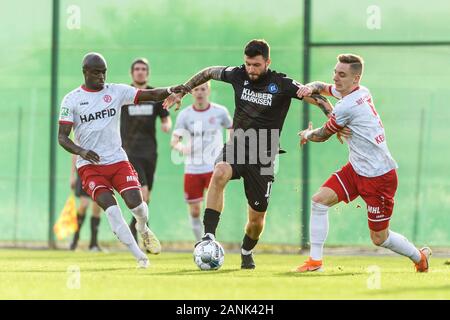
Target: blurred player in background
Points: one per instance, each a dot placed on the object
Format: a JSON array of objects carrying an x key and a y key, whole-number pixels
[
  {"x": 93, "y": 110},
  {"x": 201, "y": 126},
  {"x": 370, "y": 172},
  {"x": 262, "y": 98},
  {"x": 137, "y": 128},
  {"x": 85, "y": 200}
]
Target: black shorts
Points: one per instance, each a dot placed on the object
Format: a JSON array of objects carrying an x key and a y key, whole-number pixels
[
  {"x": 145, "y": 167},
  {"x": 79, "y": 192},
  {"x": 258, "y": 180}
]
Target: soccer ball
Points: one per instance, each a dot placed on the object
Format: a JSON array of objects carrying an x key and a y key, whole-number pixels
[{"x": 209, "y": 255}]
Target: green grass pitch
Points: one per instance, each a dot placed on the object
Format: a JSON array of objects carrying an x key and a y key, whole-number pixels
[{"x": 26, "y": 274}]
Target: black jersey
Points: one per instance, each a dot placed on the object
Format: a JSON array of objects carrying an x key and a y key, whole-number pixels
[
  {"x": 260, "y": 104},
  {"x": 137, "y": 128}
]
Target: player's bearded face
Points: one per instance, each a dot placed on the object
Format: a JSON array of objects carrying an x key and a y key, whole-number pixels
[{"x": 256, "y": 66}]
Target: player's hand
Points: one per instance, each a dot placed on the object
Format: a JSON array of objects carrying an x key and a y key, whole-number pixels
[
  {"x": 304, "y": 91},
  {"x": 165, "y": 127},
  {"x": 90, "y": 156},
  {"x": 174, "y": 98},
  {"x": 344, "y": 133},
  {"x": 73, "y": 182},
  {"x": 302, "y": 134}
]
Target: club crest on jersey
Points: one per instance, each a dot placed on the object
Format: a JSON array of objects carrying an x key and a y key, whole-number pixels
[
  {"x": 273, "y": 88},
  {"x": 107, "y": 98},
  {"x": 212, "y": 120},
  {"x": 92, "y": 185}
]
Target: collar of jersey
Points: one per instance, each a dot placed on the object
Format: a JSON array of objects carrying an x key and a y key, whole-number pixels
[
  {"x": 90, "y": 90},
  {"x": 201, "y": 110}
]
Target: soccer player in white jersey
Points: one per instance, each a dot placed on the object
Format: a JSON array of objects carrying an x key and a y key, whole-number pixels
[
  {"x": 370, "y": 172},
  {"x": 200, "y": 127},
  {"x": 93, "y": 111}
]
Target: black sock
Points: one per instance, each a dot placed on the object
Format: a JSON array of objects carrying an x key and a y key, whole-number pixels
[
  {"x": 211, "y": 220},
  {"x": 133, "y": 228},
  {"x": 248, "y": 243},
  {"x": 95, "y": 221},
  {"x": 80, "y": 220},
  {"x": 76, "y": 236}
]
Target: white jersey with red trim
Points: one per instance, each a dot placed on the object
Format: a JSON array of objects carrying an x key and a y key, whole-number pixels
[
  {"x": 95, "y": 116},
  {"x": 203, "y": 131},
  {"x": 369, "y": 153}
]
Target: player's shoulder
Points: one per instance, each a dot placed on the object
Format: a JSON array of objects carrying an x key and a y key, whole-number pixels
[
  {"x": 356, "y": 97},
  {"x": 72, "y": 96},
  {"x": 117, "y": 86},
  {"x": 218, "y": 107},
  {"x": 235, "y": 70},
  {"x": 186, "y": 111}
]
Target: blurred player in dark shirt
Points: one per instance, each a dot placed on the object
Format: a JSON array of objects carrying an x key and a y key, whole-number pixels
[{"x": 138, "y": 131}]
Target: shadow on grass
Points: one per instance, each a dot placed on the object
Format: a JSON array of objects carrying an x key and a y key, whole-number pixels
[
  {"x": 319, "y": 274},
  {"x": 191, "y": 272}
]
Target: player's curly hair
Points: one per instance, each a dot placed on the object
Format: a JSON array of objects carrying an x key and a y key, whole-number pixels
[
  {"x": 257, "y": 47},
  {"x": 356, "y": 62}
]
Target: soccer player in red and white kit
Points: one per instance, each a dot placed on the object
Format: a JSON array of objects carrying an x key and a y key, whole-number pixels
[
  {"x": 93, "y": 111},
  {"x": 201, "y": 124},
  {"x": 370, "y": 172}
]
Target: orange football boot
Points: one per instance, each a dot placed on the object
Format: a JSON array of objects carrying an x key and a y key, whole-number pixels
[
  {"x": 309, "y": 266},
  {"x": 422, "y": 265}
]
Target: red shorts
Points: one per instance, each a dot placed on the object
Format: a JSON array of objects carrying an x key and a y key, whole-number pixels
[
  {"x": 377, "y": 192},
  {"x": 194, "y": 185},
  {"x": 96, "y": 179}
]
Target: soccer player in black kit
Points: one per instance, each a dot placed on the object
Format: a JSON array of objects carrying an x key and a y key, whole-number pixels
[
  {"x": 138, "y": 132},
  {"x": 262, "y": 99}
]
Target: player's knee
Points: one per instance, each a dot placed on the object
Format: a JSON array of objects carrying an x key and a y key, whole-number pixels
[
  {"x": 221, "y": 173},
  {"x": 377, "y": 238},
  {"x": 195, "y": 212},
  {"x": 321, "y": 199}
]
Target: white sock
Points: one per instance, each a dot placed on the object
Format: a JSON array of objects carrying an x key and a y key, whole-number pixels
[
  {"x": 246, "y": 252},
  {"x": 141, "y": 215},
  {"x": 197, "y": 227},
  {"x": 122, "y": 231},
  {"x": 318, "y": 228},
  {"x": 399, "y": 244}
]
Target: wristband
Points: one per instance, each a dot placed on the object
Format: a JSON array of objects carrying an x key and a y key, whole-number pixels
[{"x": 169, "y": 91}]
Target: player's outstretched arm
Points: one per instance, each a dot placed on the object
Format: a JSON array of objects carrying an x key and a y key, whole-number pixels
[
  {"x": 316, "y": 87},
  {"x": 210, "y": 73},
  {"x": 65, "y": 142},
  {"x": 315, "y": 135},
  {"x": 323, "y": 103},
  {"x": 158, "y": 94}
]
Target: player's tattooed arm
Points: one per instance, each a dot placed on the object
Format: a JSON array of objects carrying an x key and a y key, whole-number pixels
[
  {"x": 316, "y": 87},
  {"x": 323, "y": 103},
  {"x": 210, "y": 73},
  {"x": 67, "y": 143},
  {"x": 315, "y": 135}
]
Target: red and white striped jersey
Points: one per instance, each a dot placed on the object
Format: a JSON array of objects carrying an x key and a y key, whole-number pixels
[{"x": 369, "y": 153}]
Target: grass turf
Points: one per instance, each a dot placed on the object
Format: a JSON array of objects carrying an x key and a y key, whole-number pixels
[{"x": 46, "y": 275}]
